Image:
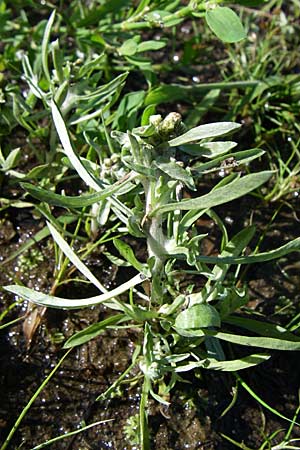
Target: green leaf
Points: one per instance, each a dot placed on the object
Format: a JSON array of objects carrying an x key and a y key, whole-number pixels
[
  {"x": 209, "y": 149},
  {"x": 150, "y": 46},
  {"x": 69, "y": 151},
  {"x": 262, "y": 328},
  {"x": 66, "y": 249},
  {"x": 225, "y": 23},
  {"x": 237, "y": 158},
  {"x": 225, "y": 366},
  {"x": 66, "y": 303},
  {"x": 209, "y": 130},
  {"x": 198, "y": 316},
  {"x": 45, "y": 45},
  {"x": 128, "y": 48},
  {"x": 167, "y": 93},
  {"x": 292, "y": 246},
  {"x": 126, "y": 251},
  {"x": 92, "y": 331},
  {"x": 248, "y": 341},
  {"x": 231, "y": 191},
  {"x": 176, "y": 172},
  {"x": 77, "y": 201}
]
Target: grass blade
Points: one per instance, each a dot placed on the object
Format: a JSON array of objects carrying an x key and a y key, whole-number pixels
[
  {"x": 35, "y": 395},
  {"x": 64, "y": 246},
  {"x": 71, "y": 433}
]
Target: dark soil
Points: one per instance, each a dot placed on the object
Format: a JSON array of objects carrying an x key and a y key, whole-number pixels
[{"x": 193, "y": 420}]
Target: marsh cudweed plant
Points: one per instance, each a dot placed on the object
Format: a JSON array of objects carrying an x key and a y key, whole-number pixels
[{"x": 184, "y": 327}]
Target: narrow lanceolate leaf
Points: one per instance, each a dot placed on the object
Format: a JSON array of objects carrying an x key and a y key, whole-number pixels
[
  {"x": 65, "y": 303},
  {"x": 231, "y": 191},
  {"x": 77, "y": 201},
  {"x": 293, "y": 246},
  {"x": 248, "y": 341},
  {"x": 93, "y": 331},
  {"x": 126, "y": 251},
  {"x": 225, "y": 23},
  {"x": 64, "y": 246},
  {"x": 209, "y": 130},
  {"x": 225, "y": 366},
  {"x": 69, "y": 151},
  {"x": 45, "y": 45},
  {"x": 262, "y": 328}
]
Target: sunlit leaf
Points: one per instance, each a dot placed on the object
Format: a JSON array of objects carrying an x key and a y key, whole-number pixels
[
  {"x": 205, "y": 131},
  {"x": 198, "y": 316},
  {"x": 231, "y": 191},
  {"x": 65, "y": 303},
  {"x": 225, "y": 23}
]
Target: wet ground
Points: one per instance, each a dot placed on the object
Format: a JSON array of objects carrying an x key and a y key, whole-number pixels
[{"x": 193, "y": 420}]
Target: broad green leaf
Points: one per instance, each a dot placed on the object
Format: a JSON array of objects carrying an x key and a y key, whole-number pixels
[
  {"x": 92, "y": 331},
  {"x": 66, "y": 303},
  {"x": 209, "y": 149},
  {"x": 128, "y": 48},
  {"x": 11, "y": 161},
  {"x": 225, "y": 366},
  {"x": 126, "y": 251},
  {"x": 77, "y": 201},
  {"x": 66, "y": 249},
  {"x": 225, "y": 23},
  {"x": 176, "y": 172},
  {"x": 231, "y": 191},
  {"x": 209, "y": 130},
  {"x": 150, "y": 45},
  {"x": 198, "y": 316}
]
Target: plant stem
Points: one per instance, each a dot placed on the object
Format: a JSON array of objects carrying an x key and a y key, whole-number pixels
[{"x": 144, "y": 434}]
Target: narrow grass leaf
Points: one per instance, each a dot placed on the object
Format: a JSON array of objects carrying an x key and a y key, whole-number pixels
[
  {"x": 71, "y": 433},
  {"x": 66, "y": 303},
  {"x": 92, "y": 331},
  {"x": 205, "y": 131},
  {"x": 39, "y": 236},
  {"x": 31, "y": 401},
  {"x": 66, "y": 249},
  {"x": 262, "y": 402}
]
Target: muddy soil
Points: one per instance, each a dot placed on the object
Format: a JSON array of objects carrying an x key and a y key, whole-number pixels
[{"x": 194, "y": 419}]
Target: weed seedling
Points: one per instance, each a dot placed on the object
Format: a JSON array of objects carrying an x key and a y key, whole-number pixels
[{"x": 184, "y": 327}]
